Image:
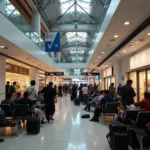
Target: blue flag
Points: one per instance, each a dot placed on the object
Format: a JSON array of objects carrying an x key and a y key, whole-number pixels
[{"x": 52, "y": 42}]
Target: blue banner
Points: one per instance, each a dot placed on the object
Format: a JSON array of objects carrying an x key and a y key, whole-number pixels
[{"x": 52, "y": 42}]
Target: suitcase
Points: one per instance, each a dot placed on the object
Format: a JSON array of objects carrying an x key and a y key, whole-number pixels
[
  {"x": 115, "y": 127},
  {"x": 120, "y": 141},
  {"x": 61, "y": 94},
  {"x": 77, "y": 101},
  {"x": 33, "y": 125}
]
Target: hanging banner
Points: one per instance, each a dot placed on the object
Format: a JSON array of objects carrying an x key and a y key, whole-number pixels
[{"x": 52, "y": 42}]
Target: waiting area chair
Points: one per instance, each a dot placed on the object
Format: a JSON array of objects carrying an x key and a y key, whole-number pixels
[
  {"x": 22, "y": 111},
  {"x": 138, "y": 127},
  {"x": 8, "y": 110}
]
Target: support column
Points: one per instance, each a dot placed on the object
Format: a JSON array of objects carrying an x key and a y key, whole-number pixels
[
  {"x": 117, "y": 72},
  {"x": 36, "y": 22},
  {"x": 2, "y": 6},
  {"x": 34, "y": 75},
  {"x": 2, "y": 77}
]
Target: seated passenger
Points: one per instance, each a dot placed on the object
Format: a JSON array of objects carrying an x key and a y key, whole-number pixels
[
  {"x": 18, "y": 96},
  {"x": 145, "y": 103},
  {"x": 8, "y": 100},
  {"x": 40, "y": 98},
  {"x": 26, "y": 100},
  {"x": 101, "y": 106},
  {"x": 95, "y": 101}
]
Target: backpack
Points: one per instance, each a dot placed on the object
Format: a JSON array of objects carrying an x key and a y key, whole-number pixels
[
  {"x": 11, "y": 89},
  {"x": 85, "y": 116}
]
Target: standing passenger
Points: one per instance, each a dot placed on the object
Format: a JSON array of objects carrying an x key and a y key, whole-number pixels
[
  {"x": 49, "y": 95},
  {"x": 85, "y": 94}
]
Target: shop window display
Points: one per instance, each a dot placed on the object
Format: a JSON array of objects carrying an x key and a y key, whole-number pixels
[{"x": 142, "y": 84}]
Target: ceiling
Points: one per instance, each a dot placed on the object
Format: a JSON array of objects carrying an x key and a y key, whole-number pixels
[
  {"x": 22, "y": 58},
  {"x": 117, "y": 32},
  {"x": 78, "y": 21}
]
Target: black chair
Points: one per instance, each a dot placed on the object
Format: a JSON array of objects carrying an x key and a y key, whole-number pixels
[
  {"x": 111, "y": 109},
  {"x": 7, "y": 109},
  {"x": 22, "y": 111},
  {"x": 138, "y": 127},
  {"x": 130, "y": 115}
]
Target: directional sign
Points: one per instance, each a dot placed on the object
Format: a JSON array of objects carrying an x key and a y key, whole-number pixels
[
  {"x": 54, "y": 73},
  {"x": 89, "y": 74}
]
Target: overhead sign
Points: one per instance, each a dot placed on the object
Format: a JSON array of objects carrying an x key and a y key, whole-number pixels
[
  {"x": 89, "y": 74},
  {"x": 52, "y": 42},
  {"x": 54, "y": 73}
]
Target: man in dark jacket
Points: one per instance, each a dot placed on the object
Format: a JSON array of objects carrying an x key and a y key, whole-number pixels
[
  {"x": 49, "y": 95},
  {"x": 127, "y": 94}
]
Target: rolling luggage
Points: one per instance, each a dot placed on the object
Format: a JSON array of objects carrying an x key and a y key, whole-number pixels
[
  {"x": 115, "y": 127},
  {"x": 33, "y": 125},
  {"x": 120, "y": 141},
  {"x": 77, "y": 101}
]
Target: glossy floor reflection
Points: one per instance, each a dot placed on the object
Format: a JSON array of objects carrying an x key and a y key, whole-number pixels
[{"x": 67, "y": 132}]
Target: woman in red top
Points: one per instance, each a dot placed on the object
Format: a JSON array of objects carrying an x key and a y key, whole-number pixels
[{"x": 145, "y": 103}]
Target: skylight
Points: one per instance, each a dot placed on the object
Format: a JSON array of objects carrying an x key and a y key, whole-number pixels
[
  {"x": 66, "y": 6},
  {"x": 79, "y": 52},
  {"x": 76, "y": 36},
  {"x": 10, "y": 9}
]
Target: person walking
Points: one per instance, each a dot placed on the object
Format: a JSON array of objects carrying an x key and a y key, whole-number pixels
[
  {"x": 33, "y": 92},
  {"x": 80, "y": 92},
  {"x": 7, "y": 87},
  {"x": 13, "y": 90},
  {"x": 49, "y": 96},
  {"x": 127, "y": 94},
  {"x": 85, "y": 94}
]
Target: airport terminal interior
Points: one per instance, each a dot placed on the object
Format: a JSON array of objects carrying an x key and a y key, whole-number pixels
[{"x": 75, "y": 74}]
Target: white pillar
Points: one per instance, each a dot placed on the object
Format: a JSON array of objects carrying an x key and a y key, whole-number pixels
[
  {"x": 34, "y": 75},
  {"x": 36, "y": 22},
  {"x": 2, "y": 6},
  {"x": 2, "y": 77},
  {"x": 117, "y": 72}
]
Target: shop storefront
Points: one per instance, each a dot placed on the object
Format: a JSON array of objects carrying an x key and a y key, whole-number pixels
[
  {"x": 108, "y": 78},
  {"x": 42, "y": 81},
  {"x": 140, "y": 73},
  {"x": 19, "y": 75}
]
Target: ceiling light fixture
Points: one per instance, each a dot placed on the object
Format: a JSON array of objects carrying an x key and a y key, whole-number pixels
[
  {"x": 136, "y": 42},
  {"x": 124, "y": 51},
  {"x": 99, "y": 56},
  {"x": 127, "y": 23},
  {"x": 2, "y": 46},
  {"x": 95, "y": 60},
  {"x": 103, "y": 52},
  {"x": 116, "y": 36},
  {"x": 148, "y": 34}
]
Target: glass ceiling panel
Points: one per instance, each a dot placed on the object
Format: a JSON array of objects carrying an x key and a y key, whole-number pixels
[{"x": 85, "y": 4}]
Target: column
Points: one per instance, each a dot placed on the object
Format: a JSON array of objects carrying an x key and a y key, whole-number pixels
[
  {"x": 36, "y": 22},
  {"x": 2, "y": 77},
  {"x": 2, "y": 6},
  {"x": 117, "y": 72},
  {"x": 34, "y": 75}
]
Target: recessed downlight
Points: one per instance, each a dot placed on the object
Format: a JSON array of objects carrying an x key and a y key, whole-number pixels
[
  {"x": 137, "y": 42},
  {"x": 103, "y": 52},
  {"x": 127, "y": 23},
  {"x": 1, "y": 46},
  {"x": 95, "y": 60},
  {"x": 99, "y": 56},
  {"x": 124, "y": 50},
  {"x": 148, "y": 34},
  {"x": 116, "y": 36}
]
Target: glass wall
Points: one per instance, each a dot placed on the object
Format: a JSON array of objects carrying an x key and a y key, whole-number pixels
[{"x": 142, "y": 84}]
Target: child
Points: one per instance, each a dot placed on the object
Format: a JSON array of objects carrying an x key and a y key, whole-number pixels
[
  {"x": 40, "y": 97},
  {"x": 18, "y": 96}
]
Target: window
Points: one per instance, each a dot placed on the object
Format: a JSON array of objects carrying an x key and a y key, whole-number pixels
[{"x": 66, "y": 6}]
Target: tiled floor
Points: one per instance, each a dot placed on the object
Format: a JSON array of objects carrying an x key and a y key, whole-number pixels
[{"x": 67, "y": 132}]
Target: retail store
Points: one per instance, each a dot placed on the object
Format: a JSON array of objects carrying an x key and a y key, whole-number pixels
[
  {"x": 140, "y": 73},
  {"x": 108, "y": 78},
  {"x": 17, "y": 74},
  {"x": 42, "y": 80}
]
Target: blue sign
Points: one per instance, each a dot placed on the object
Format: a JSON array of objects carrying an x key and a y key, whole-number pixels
[
  {"x": 122, "y": 77},
  {"x": 52, "y": 42}
]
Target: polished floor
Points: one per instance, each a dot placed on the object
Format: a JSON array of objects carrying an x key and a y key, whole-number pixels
[{"x": 67, "y": 132}]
